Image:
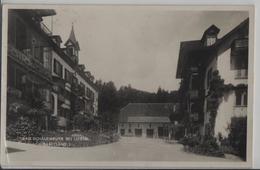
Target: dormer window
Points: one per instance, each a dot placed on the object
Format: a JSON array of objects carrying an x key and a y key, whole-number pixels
[
  {"x": 70, "y": 51},
  {"x": 210, "y": 36},
  {"x": 211, "y": 40}
]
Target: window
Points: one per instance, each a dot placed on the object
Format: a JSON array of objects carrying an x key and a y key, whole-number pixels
[
  {"x": 239, "y": 54},
  {"x": 47, "y": 58},
  {"x": 19, "y": 79},
  {"x": 70, "y": 51},
  {"x": 245, "y": 99},
  {"x": 57, "y": 68},
  {"x": 211, "y": 40},
  {"x": 21, "y": 35},
  {"x": 11, "y": 29},
  {"x": 209, "y": 77},
  {"x": 90, "y": 93},
  {"x": 195, "y": 81},
  {"x": 129, "y": 130},
  {"x": 68, "y": 76},
  {"x": 138, "y": 132},
  {"x": 52, "y": 102},
  {"x": 238, "y": 99},
  {"x": 37, "y": 50},
  {"x": 122, "y": 132},
  {"x": 82, "y": 86},
  {"x": 241, "y": 98},
  {"x": 11, "y": 75},
  {"x": 174, "y": 108},
  {"x": 74, "y": 80}
]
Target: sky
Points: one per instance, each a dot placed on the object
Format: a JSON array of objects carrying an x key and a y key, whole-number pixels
[{"x": 137, "y": 45}]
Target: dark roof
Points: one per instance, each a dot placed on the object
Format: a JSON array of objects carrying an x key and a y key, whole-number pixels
[
  {"x": 37, "y": 12},
  {"x": 44, "y": 12},
  {"x": 149, "y": 119},
  {"x": 145, "y": 110},
  {"x": 188, "y": 47}
]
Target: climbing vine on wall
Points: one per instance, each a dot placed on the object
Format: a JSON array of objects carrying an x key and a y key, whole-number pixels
[{"x": 216, "y": 92}]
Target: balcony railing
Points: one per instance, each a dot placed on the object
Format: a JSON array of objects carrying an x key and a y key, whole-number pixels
[
  {"x": 241, "y": 43},
  {"x": 59, "y": 82},
  {"x": 28, "y": 61},
  {"x": 239, "y": 111},
  {"x": 194, "y": 116},
  {"x": 241, "y": 74}
]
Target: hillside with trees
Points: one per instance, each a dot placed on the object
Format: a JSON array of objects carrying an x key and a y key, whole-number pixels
[{"x": 111, "y": 99}]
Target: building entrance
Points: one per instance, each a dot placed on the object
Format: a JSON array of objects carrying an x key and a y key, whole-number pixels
[{"x": 138, "y": 132}]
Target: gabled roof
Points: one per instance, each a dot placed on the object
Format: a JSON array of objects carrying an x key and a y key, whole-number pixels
[
  {"x": 187, "y": 48},
  {"x": 145, "y": 110},
  {"x": 222, "y": 44},
  {"x": 72, "y": 39}
]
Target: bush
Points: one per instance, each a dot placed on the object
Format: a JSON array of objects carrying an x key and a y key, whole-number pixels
[
  {"x": 207, "y": 147},
  {"x": 79, "y": 122},
  {"x": 190, "y": 141},
  {"x": 238, "y": 135},
  {"x": 22, "y": 130}
]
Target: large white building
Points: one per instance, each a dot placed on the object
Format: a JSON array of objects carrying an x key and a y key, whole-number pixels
[
  {"x": 74, "y": 91},
  {"x": 199, "y": 61}
]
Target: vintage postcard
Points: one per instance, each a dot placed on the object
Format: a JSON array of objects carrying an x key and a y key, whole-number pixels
[{"x": 127, "y": 86}]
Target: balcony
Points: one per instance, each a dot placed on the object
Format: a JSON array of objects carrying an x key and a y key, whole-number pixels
[
  {"x": 28, "y": 61},
  {"x": 48, "y": 105},
  {"x": 59, "y": 82},
  {"x": 241, "y": 74},
  {"x": 13, "y": 92},
  {"x": 194, "y": 117},
  {"x": 239, "y": 111},
  {"x": 61, "y": 98},
  {"x": 77, "y": 89}
]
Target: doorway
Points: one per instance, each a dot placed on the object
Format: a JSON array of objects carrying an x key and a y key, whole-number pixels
[
  {"x": 149, "y": 133},
  {"x": 138, "y": 132}
]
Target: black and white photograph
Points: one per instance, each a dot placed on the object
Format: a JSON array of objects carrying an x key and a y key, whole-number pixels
[{"x": 127, "y": 86}]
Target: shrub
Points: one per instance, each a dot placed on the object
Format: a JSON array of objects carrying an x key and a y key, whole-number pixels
[
  {"x": 190, "y": 141},
  {"x": 22, "y": 130},
  {"x": 238, "y": 135},
  {"x": 207, "y": 147},
  {"x": 79, "y": 122}
]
